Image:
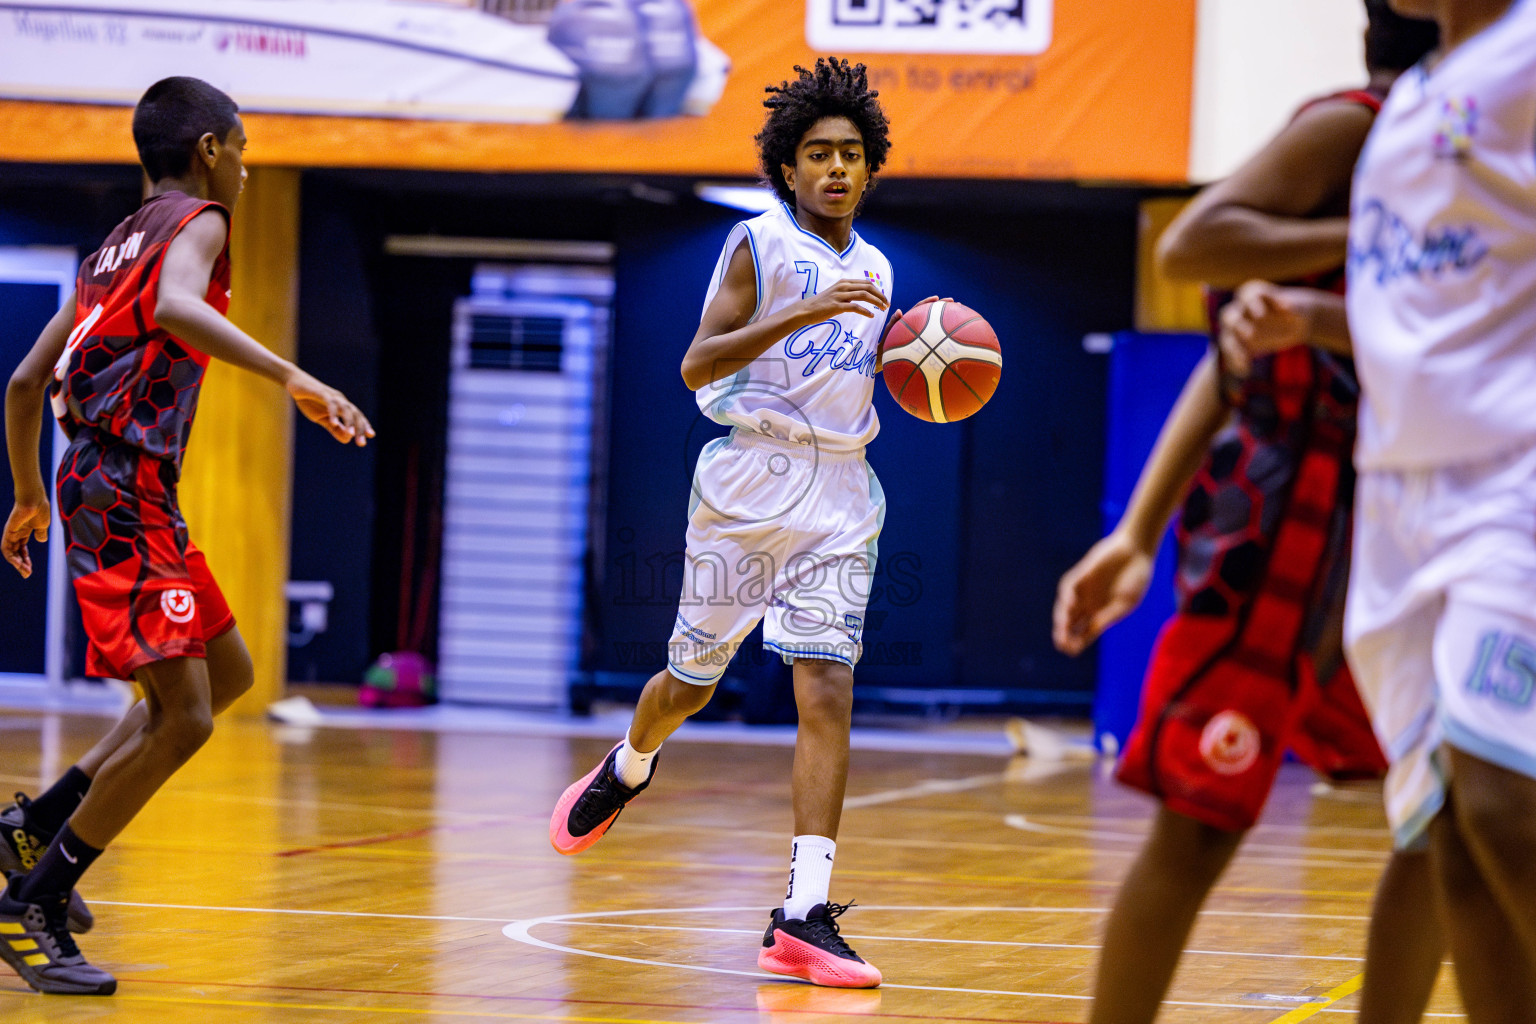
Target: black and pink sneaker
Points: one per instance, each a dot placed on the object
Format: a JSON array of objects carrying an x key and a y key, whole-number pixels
[
  {"x": 590, "y": 806},
  {"x": 813, "y": 950}
]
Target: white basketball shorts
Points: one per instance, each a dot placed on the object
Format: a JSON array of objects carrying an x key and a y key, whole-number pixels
[
  {"x": 1441, "y": 623},
  {"x": 777, "y": 531}
]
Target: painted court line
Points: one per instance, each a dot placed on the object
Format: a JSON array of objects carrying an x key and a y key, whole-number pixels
[
  {"x": 957, "y": 942},
  {"x": 568, "y": 1001},
  {"x": 1024, "y": 824},
  {"x": 617, "y": 913},
  {"x": 521, "y": 931},
  {"x": 928, "y": 787},
  {"x": 1302, "y": 1013},
  {"x": 306, "y": 913},
  {"x": 412, "y": 1010}
]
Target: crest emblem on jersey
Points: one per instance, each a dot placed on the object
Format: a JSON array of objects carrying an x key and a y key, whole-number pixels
[
  {"x": 178, "y": 605},
  {"x": 1230, "y": 743},
  {"x": 1458, "y": 127}
]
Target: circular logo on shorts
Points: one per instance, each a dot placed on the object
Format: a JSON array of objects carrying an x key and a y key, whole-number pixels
[
  {"x": 178, "y": 605},
  {"x": 1230, "y": 743},
  {"x": 778, "y": 464}
]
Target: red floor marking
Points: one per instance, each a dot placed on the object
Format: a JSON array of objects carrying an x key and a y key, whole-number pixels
[
  {"x": 366, "y": 841},
  {"x": 565, "y": 1000},
  {"x": 416, "y": 833}
]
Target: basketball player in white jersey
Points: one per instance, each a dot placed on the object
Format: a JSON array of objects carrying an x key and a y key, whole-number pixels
[
  {"x": 785, "y": 512},
  {"x": 1441, "y": 620}
]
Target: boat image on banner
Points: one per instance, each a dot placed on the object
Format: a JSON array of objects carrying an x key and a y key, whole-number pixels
[{"x": 528, "y": 62}]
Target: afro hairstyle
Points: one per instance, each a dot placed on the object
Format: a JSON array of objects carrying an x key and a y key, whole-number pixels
[{"x": 834, "y": 88}]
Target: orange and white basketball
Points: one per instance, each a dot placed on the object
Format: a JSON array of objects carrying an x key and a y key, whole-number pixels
[{"x": 942, "y": 361}]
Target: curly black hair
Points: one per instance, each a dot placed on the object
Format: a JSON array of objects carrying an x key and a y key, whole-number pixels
[{"x": 834, "y": 88}]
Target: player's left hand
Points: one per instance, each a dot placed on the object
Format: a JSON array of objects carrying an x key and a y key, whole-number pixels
[
  {"x": 25, "y": 522},
  {"x": 1261, "y": 319},
  {"x": 323, "y": 404}
]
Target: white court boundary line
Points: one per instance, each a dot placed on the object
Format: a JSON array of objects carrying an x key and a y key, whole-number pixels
[
  {"x": 959, "y": 942},
  {"x": 521, "y": 931},
  {"x": 928, "y": 787},
  {"x": 1253, "y": 854}
]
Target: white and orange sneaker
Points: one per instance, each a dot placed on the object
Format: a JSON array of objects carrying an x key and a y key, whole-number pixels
[{"x": 813, "y": 950}]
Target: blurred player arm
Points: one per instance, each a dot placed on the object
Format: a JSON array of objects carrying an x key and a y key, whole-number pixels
[
  {"x": 180, "y": 308},
  {"x": 1110, "y": 580},
  {"x": 728, "y": 339},
  {"x": 23, "y": 425},
  {"x": 1264, "y": 318},
  {"x": 1267, "y": 220}
]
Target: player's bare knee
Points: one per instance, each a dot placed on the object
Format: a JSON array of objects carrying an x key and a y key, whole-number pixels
[
  {"x": 184, "y": 727},
  {"x": 230, "y": 684},
  {"x": 681, "y": 698},
  {"x": 823, "y": 690}
]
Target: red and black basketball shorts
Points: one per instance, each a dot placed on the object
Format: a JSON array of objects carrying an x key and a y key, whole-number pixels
[
  {"x": 144, "y": 589},
  {"x": 1213, "y": 727}
]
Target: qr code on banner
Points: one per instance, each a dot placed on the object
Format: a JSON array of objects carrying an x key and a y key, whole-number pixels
[{"x": 929, "y": 26}]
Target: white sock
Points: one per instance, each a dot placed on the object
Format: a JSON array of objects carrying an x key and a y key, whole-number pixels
[
  {"x": 630, "y": 765},
  {"x": 810, "y": 875}
]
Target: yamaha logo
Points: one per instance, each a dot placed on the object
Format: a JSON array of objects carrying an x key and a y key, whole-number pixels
[
  {"x": 1230, "y": 743},
  {"x": 178, "y": 605}
]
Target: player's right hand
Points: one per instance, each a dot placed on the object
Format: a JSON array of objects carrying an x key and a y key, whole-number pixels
[
  {"x": 1104, "y": 587},
  {"x": 1261, "y": 319},
  {"x": 323, "y": 404},
  {"x": 25, "y": 521},
  {"x": 850, "y": 295}
]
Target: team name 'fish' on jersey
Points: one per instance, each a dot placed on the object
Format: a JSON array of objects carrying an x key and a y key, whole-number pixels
[
  {"x": 814, "y": 386},
  {"x": 1442, "y": 257},
  {"x": 121, "y": 373}
]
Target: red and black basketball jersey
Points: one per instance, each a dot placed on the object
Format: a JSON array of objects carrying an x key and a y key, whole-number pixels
[
  {"x": 1291, "y": 403},
  {"x": 121, "y": 373}
]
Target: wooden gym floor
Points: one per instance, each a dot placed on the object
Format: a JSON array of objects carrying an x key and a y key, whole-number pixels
[{"x": 381, "y": 875}]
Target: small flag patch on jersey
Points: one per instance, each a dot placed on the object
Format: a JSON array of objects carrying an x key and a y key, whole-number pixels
[{"x": 871, "y": 275}]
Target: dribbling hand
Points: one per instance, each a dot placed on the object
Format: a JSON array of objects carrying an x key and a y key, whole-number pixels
[
  {"x": 322, "y": 404},
  {"x": 850, "y": 295},
  {"x": 25, "y": 522},
  {"x": 1104, "y": 587}
]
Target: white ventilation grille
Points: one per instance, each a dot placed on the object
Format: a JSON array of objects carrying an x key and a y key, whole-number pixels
[{"x": 515, "y": 522}]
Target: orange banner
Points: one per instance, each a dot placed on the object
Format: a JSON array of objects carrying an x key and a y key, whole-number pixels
[{"x": 1057, "y": 89}]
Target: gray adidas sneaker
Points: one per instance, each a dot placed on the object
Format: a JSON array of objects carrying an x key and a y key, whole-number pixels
[
  {"x": 21, "y": 849},
  {"x": 35, "y": 942}
]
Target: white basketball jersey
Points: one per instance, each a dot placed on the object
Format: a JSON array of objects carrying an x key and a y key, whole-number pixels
[
  {"x": 816, "y": 385},
  {"x": 1442, "y": 257}
]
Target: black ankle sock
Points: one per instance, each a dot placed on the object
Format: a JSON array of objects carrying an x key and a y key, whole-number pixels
[
  {"x": 60, "y": 868},
  {"x": 48, "y": 813}
]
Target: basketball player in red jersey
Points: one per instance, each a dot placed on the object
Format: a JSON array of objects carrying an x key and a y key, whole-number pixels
[
  {"x": 125, "y": 359},
  {"x": 1252, "y": 662}
]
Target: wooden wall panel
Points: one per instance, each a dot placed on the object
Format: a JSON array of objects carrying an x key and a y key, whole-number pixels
[{"x": 236, "y": 487}]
